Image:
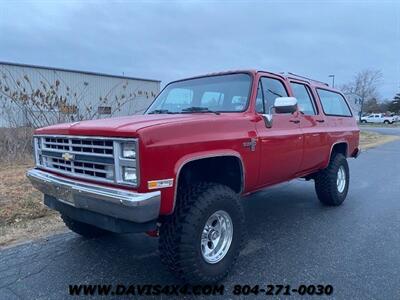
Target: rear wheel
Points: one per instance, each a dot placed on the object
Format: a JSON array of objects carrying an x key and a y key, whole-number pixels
[
  {"x": 363, "y": 121},
  {"x": 202, "y": 240},
  {"x": 332, "y": 183},
  {"x": 83, "y": 229}
]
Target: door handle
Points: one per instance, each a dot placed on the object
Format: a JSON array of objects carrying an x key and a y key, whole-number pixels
[
  {"x": 295, "y": 121},
  {"x": 320, "y": 121}
]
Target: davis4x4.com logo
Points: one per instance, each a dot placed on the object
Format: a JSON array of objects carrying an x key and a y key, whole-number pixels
[
  {"x": 198, "y": 290},
  {"x": 145, "y": 290}
]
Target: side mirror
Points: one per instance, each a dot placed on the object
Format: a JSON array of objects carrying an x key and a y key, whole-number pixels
[{"x": 282, "y": 105}]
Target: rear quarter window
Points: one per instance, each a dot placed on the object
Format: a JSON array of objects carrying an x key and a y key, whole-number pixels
[{"x": 333, "y": 104}]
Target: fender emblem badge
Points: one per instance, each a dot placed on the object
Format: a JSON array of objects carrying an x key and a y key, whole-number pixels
[{"x": 251, "y": 144}]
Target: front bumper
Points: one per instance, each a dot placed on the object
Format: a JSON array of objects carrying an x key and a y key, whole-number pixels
[{"x": 108, "y": 201}]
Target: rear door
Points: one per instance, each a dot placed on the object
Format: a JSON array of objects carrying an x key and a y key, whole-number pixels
[
  {"x": 313, "y": 126},
  {"x": 282, "y": 144}
]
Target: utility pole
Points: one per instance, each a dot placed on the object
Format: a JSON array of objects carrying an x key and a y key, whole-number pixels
[
  {"x": 361, "y": 100},
  {"x": 333, "y": 79}
]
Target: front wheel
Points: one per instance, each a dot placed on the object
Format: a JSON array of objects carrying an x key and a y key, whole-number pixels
[
  {"x": 332, "y": 183},
  {"x": 386, "y": 122},
  {"x": 202, "y": 240}
]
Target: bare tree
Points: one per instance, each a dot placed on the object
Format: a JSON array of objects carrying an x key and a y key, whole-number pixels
[
  {"x": 25, "y": 105},
  {"x": 364, "y": 86},
  {"x": 45, "y": 104}
]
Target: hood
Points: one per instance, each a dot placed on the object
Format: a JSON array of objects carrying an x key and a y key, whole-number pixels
[{"x": 120, "y": 126}]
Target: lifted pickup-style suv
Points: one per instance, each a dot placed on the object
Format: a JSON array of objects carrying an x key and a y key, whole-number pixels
[{"x": 179, "y": 170}]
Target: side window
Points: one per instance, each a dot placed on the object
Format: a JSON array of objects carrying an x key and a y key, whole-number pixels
[
  {"x": 304, "y": 100},
  {"x": 333, "y": 103},
  {"x": 272, "y": 89}
]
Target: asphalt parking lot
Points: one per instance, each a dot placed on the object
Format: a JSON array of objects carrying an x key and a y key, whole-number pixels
[
  {"x": 292, "y": 240},
  {"x": 383, "y": 130}
]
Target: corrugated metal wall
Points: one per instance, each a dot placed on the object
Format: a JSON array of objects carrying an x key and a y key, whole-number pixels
[{"x": 70, "y": 95}]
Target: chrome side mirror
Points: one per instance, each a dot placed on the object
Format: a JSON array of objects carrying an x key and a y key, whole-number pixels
[{"x": 282, "y": 105}]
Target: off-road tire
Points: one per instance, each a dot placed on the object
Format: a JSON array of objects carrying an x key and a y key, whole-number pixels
[
  {"x": 83, "y": 229},
  {"x": 325, "y": 181},
  {"x": 180, "y": 234}
]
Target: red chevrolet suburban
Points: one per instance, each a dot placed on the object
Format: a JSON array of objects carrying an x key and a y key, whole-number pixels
[{"x": 179, "y": 170}]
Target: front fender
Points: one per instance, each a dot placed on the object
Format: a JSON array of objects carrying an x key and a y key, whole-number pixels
[{"x": 168, "y": 196}]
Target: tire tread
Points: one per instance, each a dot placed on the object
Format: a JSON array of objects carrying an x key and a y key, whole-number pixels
[
  {"x": 325, "y": 181},
  {"x": 176, "y": 233}
]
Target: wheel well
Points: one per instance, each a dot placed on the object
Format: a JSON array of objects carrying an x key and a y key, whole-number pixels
[
  {"x": 340, "y": 148},
  {"x": 226, "y": 170}
]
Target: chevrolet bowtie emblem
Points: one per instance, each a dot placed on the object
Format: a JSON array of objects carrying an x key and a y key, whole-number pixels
[{"x": 67, "y": 156}]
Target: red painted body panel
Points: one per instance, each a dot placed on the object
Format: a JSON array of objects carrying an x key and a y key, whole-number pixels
[{"x": 283, "y": 152}]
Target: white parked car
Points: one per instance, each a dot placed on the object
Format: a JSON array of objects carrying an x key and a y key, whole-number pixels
[{"x": 378, "y": 118}]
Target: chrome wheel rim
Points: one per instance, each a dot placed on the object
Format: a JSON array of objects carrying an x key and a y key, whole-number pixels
[
  {"x": 216, "y": 237},
  {"x": 341, "y": 179}
]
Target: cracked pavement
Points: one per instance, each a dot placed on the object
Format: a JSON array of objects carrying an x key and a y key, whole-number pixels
[{"x": 292, "y": 239}]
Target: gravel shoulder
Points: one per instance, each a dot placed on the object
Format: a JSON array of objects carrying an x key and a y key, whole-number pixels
[{"x": 23, "y": 215}]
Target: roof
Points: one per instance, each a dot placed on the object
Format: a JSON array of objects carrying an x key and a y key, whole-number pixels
[
  {"x": 75, "y": 71},
  {"x": 283, "y": 75},
  {"x": 303, "y": 78}
]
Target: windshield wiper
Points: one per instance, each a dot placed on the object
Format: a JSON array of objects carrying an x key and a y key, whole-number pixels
[
  {"x": 199, "y": 109},
  {"x": 160, "y": 111}
]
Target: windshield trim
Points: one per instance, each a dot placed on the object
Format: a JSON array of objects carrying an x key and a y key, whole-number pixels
[{"x": 212, "y": 75}]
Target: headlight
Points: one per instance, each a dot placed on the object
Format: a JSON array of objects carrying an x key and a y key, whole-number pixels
[
  {"x": 129, "y": 175},
  {"x": 129, "y": 150},
  {"x": 126, "y": 165}
]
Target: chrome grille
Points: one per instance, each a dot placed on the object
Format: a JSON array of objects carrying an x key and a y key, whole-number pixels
[
  {"x": 85, "y": 157},
  {"x": 74, "y": 145}
]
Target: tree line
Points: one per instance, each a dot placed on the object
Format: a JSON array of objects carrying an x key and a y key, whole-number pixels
[{"x": 363, "y": 90}]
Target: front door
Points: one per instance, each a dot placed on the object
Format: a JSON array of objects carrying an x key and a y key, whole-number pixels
[{"x": 282, "y": 144}]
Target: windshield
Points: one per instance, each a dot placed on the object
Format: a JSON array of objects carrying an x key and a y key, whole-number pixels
[{"x": 223, "y": 93}]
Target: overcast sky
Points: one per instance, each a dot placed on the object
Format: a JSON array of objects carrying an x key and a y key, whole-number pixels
[{"x": 169, "y": 40}]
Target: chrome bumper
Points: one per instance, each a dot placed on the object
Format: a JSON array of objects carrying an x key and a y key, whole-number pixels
[{"x": 117, "y": 203}]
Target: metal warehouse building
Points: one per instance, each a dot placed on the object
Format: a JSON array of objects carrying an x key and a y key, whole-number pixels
[{"x": 39, "y": 96}]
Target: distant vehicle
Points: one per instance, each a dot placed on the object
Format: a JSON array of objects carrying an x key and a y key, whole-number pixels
[
  {"x": 378, "y": 118},
  {"x": 396, "y": 117}
]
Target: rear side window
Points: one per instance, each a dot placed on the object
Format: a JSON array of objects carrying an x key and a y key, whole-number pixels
[
  {"x": 304, "y": 100},
  {"x": 333, "y": 103}
]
